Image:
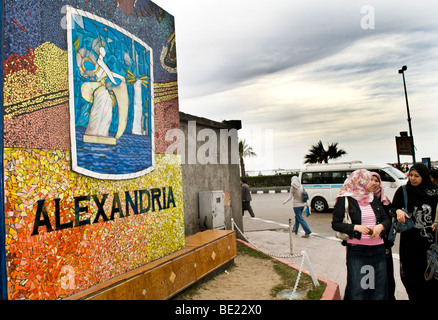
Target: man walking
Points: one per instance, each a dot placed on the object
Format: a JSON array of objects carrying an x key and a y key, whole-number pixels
[{"x": 246, "y": 198}]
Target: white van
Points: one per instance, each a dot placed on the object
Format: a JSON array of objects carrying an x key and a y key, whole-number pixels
[{"x": 323, "y": 181}]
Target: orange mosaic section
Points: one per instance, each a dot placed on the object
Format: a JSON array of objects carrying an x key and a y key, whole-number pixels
[
  {"x": 56, "y": 264},
  {"x": 46, "y": 128},
  {"x": 204, "y": 252}
]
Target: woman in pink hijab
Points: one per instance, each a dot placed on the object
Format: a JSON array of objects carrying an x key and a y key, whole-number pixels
[
  {"x": 366, "y": 258},
  {"x": 379, "y": 193}
]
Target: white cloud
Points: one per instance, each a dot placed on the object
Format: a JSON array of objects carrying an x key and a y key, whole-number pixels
[{"x": 308, "y": 71}]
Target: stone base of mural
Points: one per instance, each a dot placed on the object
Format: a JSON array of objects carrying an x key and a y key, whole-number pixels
[{"x": 204, "y": 252}]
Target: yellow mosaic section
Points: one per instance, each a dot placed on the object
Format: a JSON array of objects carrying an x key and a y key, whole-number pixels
[
  {"x": 165, "y": 91},
  {"x": 26, "y": 92},
  {"x": 53, "y": 265},
  {"x": 51, "y": 76}
]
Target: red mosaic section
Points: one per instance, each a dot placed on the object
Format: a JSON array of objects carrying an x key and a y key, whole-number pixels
[
  {"x": 16, "y": 62},
  {"x": 46, "y": 128},
  {"x": 166, "y": 118},
  {"x": 49, "y": 128}
]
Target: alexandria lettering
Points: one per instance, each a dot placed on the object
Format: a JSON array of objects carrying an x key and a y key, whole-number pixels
[{"x": 136, "y": 202}]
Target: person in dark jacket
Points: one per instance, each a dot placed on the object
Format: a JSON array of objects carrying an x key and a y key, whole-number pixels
[
  {"x": 366, "y": 258},
  {"x": 422, "y": 199},
  {"x": 246, "y": 198}
]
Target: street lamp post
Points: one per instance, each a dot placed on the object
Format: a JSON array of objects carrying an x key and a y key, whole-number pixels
[{"x": 402, "y": 72}]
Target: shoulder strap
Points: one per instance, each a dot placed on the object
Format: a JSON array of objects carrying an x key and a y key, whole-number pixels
[
  {"x": 346, "y": 206},
  {"x": 405, "y": 197}
]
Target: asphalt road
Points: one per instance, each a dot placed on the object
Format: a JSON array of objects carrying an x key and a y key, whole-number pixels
[{"x": 269, "y": 206}]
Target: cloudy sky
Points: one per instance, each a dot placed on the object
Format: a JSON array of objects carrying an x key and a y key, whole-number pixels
[{"x": 296, "y": 72}]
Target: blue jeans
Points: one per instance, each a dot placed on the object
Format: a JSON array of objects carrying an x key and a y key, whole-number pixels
[
  {"x": 300, "y": 220},
  {"x": 366, "y": 273}
]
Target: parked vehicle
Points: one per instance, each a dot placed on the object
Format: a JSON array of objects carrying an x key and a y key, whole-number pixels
[{"x": 323, "y": 181}]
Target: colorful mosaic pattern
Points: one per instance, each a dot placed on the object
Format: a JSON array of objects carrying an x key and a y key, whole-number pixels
[
  {"x": 92, "y": 253},
  {"x": 111, "y": 98},
  {"x": 66, "y": 232}
]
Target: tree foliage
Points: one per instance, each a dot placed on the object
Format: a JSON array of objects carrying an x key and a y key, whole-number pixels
[
  {"x": 318, "y": 154},
  {"x": 244, "y": 151}
]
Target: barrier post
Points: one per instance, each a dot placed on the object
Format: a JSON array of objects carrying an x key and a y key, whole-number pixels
[
  {"x": 309, "y": 267},
  {"x": 290, "y": 236}
]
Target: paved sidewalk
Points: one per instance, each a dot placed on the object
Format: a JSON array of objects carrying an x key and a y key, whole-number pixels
[{"x": 326, "y": 254}]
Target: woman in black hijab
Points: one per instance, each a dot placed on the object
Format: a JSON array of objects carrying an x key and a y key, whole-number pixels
[{"x": 422, "y": 199}]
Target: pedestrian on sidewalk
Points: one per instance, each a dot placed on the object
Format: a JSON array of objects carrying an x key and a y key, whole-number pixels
[
  {"x": 379, "y": 193},
  {"x": 246, "y": 198},
  {"x": 366, "y": 258},
  {"x": 422, "y": 199},
  {"x": 296, "y": 192}
]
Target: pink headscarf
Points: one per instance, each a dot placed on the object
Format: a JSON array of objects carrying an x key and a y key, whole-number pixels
[
  {"x": 380, "y": 193},
  {"x": 354, "y": 186}
]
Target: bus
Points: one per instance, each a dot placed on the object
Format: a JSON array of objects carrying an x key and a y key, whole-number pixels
[{"x": 323, "y": 181}]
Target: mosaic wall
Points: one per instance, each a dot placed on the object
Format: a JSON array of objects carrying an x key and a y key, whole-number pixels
[
  {"x": 68, "y": 231},
  {"x": 111, "y": 100}
]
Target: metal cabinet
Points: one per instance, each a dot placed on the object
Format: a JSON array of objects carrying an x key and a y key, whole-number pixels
[{"x": 212, "y": 209}]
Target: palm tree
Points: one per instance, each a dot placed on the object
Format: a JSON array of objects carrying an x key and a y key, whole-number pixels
[
  {"x": 333, "y": 152},
  {"x": 317, "y": 153},
  {"x": 244, "y": 151}
]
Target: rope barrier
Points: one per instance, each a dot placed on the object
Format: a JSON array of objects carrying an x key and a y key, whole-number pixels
[
  {"x": 296, "y": 255},
  {"x": 292, "y": 295},
  {"x": 302, "y": 255}
]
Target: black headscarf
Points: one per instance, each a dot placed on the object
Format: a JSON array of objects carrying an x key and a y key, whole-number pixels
[
  {"x": 414, "y": 243},
  {"x": 426, "y": 187}
]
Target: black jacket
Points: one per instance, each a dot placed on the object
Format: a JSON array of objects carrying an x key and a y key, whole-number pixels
[
  {"x": 356, "y": 217},
  {"x": 246, "y": 193}
]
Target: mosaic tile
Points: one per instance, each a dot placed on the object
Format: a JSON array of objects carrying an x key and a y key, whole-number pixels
[
  {"x": 42, "y": 119},
  {"x": 66, "y": 232},
  {"x": 96, "y": 252}
]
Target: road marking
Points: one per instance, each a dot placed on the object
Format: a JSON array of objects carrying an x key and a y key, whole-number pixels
[
  {"x": 287, "y": 226},
  {"x": 273, "y": 222}
]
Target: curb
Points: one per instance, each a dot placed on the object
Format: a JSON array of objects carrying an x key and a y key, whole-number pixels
[{"x": 332, "y": 288}]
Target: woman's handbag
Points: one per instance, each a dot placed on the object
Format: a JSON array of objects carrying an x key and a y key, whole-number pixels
[
  {"x": 347, "y": 219},
  {"x": 432, "y": 260},
  {"x": 398, "y": 226}
]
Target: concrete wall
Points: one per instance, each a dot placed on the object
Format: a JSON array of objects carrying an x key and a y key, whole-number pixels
[{"x": 210, "y": 176}]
